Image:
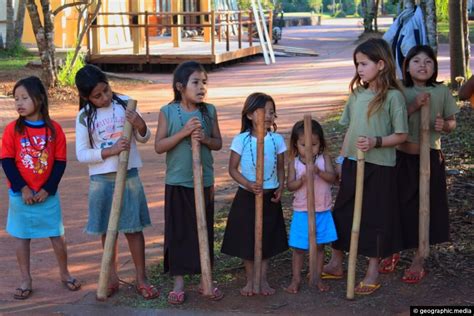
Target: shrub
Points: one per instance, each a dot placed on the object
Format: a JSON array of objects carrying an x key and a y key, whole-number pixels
[
  {"x": 66, "y": 74},
  {"x": 340, "y": 14}
]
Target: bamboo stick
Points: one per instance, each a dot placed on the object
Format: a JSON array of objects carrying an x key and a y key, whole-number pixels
[
  {"x": 259, "y": 202},
  {"x": 356, "y": 224},
  {"x": 309, "y": 158},
  {"x": 260, "y": 33},
  {"x": 111, "y": 237},
  {"x": 424, "y": 191},
  {"x": 201, "y": 219}
]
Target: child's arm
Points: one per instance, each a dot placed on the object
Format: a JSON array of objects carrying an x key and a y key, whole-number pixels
[
  {"x": 421, "y": 99},
  {"x": 281, "y": 177},
  {"x": 292, "y": 183},
  {"x": 328, "y": 175},
  {"x": 18, "y": 184},
  {"x": 163, "y": 143},
  {"x": 214, "y": 142},
  {"x": 238, "y": 177},
  {"x": 445, "y": 125},
  {"x": 141, "y": 130},
  {"x": 366, "y": 143}
]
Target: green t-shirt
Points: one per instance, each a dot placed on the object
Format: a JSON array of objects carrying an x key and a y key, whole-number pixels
[
  {"x": 179, "y": 160},
  {"x": 390, "y": 118},
  {"x": 442, "y": 102}
]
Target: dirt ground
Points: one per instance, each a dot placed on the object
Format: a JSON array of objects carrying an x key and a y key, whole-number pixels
[{"x": 299, "y": 85}]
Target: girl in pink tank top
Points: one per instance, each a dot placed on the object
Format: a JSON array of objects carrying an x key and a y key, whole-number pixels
[{"x": 324, "y": 176}]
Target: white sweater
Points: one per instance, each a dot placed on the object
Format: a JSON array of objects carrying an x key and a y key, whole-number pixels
[{"x": 108, "y": 128}]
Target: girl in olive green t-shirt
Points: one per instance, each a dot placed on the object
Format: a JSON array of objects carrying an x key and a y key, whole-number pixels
[{"x": 377, "y": 119}]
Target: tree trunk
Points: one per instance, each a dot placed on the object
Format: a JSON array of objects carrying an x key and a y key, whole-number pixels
[
  {"x": 456, "y": 43},
  {"x": 467, "y": 43},
  {"x": 431, "y": 23},
  {"x": 20, "y": 19},
  {"x": 10, "y": 25},
  {"x": 44, "y": 39},
  {"x": 375, "y": 13}
]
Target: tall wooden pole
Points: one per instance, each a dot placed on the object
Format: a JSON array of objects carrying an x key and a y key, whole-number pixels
[
  {"x": 111, "y": 236},
  {"x": 259, "y": 203},
  {"x": 424, "y": 191},
  {"x": 201, "y": 219},
  {"x": 356, "y": 224},
  {"x": 308, "y": 141}
]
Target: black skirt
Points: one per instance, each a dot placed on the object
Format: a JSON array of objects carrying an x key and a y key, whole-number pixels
[
  {"x": 239, "y": 237},
  {"x": 181, "y": 250},
  {"x": 379, "y": 234},
  {"x": 408, "y": 175}
]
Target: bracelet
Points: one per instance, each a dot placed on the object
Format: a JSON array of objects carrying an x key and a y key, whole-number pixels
[
  {"x": 378, "y": 141},
  {"x": 339, "y": 160}
]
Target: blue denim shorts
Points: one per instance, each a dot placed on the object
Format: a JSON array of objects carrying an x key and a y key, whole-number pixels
[
  {"x": 134, "y": 214},
  {"x": 325, "y": 229}
]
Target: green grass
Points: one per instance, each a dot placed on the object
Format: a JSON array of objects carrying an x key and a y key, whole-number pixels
[{"x": 15, "y": 58}]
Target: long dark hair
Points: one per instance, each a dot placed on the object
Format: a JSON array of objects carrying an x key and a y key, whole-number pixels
[
  {"x": 87, "y": 78},
  {"x": 36, "y": 91},
  {"x": 256, "y": 100},
  {"x": 298, "y": 130},
  {"x": 407, "y": 79},
  {"x": 376, "y": 49},
  {"x": 181, "y": 75}
]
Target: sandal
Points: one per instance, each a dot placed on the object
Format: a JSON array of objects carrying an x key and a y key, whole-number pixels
[
  {"x": 216, "y": 295},
  {"x": 389, "y": 264},
  {"x": 112, "y": 289},
  {"x": 412, "y": 277},
  {"x": 330, "y": 276},
  {"x": 72, "y": 284},
  {"x": 176, "y": 298},
  {"x": 366, "y": 289},
  {"x": 22, "y": 294},
  {"x": 147, "y": 291}
]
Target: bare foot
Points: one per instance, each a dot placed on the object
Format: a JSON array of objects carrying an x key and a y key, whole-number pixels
[
  {"x": 247, "y": 290},
  {"x": 294, "y": 287},
  {"x": 323, "y": 287},
  {"x": 266, "y": 290}
]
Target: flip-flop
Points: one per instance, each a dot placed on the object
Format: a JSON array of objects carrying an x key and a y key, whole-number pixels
[
  {"x": 23, "y": 293},
  {"x": 147, "y": 291},
  {"x": 72, "y": 284},
  {"x": 330, "y": 276},
  {"x": 366, "y": 289},
  {"x": 176, "y": 297},
  {"x": 389, "y": 264},
  {"x": 216, "y": 295},
  {"x": 412, "y": 277}
]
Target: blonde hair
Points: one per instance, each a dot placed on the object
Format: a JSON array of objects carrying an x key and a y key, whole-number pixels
[{"x": 377, "y": 49}]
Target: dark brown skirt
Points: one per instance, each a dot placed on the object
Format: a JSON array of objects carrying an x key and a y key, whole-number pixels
[
  {"x": 380, "y": 221},
  {"x": 181, "y": 250},
  {"x": 408, "y": 175},
  {"x": 239, "y": 237}
]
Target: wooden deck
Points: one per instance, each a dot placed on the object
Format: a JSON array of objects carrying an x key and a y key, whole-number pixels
[{"x": 161, "y": 51}]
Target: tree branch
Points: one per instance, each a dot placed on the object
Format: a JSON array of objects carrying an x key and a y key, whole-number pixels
[{"x": 67, "y": 5}]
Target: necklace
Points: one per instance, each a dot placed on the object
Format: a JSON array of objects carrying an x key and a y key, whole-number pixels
[
  {"x": 274, "y": 154},
  {"x": 178, "y": 107},
  {"x": 304, "y": 162}
]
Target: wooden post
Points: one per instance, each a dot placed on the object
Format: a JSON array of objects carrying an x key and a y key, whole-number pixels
[
  {"x": 111, "y": 236},
  {"x": 270, "y": 27},
  {"x": 309, "y": 159},
  {"x": 201, "y": 219},
  {"x": 206, "y": 7},
  {"x": 177, "y": 19},
  {"x": 147, "y": 38},
  {"x": 259, "y": 203},
  {"x": 227, "y": 30},
  {"x": 240, "y": 29},
  {"x": 135, "y": 31},
  {"x": 213, "y": 36},
  {"x": 355, "y": 224},
  {"x": 250, "y": 28},
  {"x": 424, "y": 191}
]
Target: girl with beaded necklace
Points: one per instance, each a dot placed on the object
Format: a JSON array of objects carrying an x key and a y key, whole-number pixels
[
  {"x": 187, "y": 117},
  {"x": 99, "y": 127},
  {"x": 239, "y": 235}
]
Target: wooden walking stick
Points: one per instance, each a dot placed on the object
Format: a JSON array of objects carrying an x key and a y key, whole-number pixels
[
  {"x": 308, "y": 141},
  {"x": 111, "y": 237},
  {"x": 259, "y": 203},
  {"x": 424, "y": 191},
  {"x": 355, "y": 224},
  {"x": 201, "y": 219}
]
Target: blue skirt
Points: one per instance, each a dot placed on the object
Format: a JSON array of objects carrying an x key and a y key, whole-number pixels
[
  {"x": 39, "y": 220},
  {"x": 325, "y": 229},
  {"x": 134, "y": 214}
]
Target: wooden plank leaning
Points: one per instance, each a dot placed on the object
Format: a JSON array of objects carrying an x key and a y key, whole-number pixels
[{"x": 424, "y": 190}]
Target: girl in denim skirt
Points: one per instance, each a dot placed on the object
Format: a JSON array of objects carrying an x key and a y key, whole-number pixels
[{"x": 99, "y": 127}]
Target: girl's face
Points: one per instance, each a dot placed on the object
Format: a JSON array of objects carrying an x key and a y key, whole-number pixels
[
  {"x": 25, "y": 106},
  {"x": 367, "y": 69},
  {"x": 300, "y": 145},
  {"x": 269, "y": 116},
  {"x": 101, "y": 95},
  {"x": 421, "y": 69},
  {"x": 196, "y": 88}
]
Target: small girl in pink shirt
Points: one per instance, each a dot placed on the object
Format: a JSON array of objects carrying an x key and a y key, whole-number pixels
[{"x": 324, "y": 176}]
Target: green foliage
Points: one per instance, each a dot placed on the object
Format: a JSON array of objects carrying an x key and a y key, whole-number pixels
[
  {"x": 315, "y": 5},
  {"x": 340, "y": 14},
  {"x": 246, "y": 4},
  {"x": 17, "y": 50},
  {"x": 442, "y": 10},
  {"x": 67, "y": 74},
  {"x": 15, "y": 58},
  {"x": 295, "y": 5}
]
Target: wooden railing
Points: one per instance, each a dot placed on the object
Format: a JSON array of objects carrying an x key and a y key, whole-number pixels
[{"x": 214, "y": 21}]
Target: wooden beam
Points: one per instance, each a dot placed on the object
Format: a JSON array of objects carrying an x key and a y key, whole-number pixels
[
  {"x": 176, "y": 6},
  {"x": 205, "y": 7}
]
